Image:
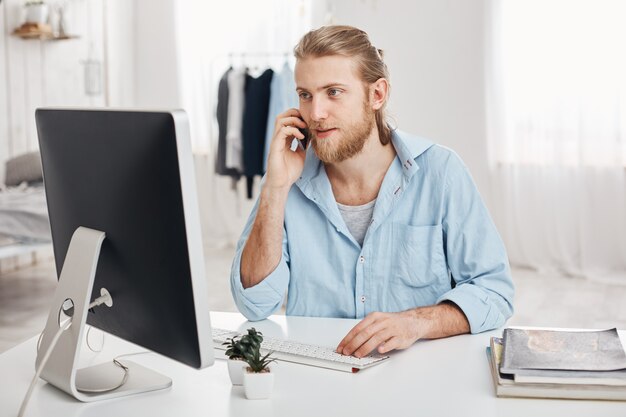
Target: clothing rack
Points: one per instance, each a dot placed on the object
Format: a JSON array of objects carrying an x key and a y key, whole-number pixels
[
  {"x": 241, "y": 57},
  {"x": 258, "y": 98}
]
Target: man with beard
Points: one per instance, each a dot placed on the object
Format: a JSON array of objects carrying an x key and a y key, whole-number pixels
[{"x": 369, "y": 222}]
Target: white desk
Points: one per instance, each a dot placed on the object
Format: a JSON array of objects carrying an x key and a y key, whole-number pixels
[{"x": 448, "y": 377}]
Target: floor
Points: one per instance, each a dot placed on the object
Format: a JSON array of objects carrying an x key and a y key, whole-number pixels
[{"x": 541, "y": 300}]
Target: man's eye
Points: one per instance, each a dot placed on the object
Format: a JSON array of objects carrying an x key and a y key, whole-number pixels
[{"x": 334, "y": 92}]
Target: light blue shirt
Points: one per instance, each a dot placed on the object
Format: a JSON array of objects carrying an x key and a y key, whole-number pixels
[{"x": 430, "y": 239}]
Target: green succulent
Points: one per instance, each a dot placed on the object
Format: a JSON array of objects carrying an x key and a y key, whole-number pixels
[
  {"x": 251, "y": 350},
  {"x": 252, "y": 340},
  {"x": 257, "y": 363},
  {"x": 233, "y": 348},
  {"x": 239, "y": 347}
]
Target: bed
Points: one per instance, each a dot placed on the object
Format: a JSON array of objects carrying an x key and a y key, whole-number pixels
[{"x": 24, "y": 225}]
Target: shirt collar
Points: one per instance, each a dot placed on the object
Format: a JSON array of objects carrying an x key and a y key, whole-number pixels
[{"x": 408, "y": 148}]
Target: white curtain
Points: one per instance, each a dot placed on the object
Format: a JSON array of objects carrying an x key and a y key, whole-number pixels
[
  {"x": 259, "y": 34},
  {"x": 557, "y": 133}
]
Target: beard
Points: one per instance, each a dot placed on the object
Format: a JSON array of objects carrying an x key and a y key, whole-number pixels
[{"x": 348, "y": 143}]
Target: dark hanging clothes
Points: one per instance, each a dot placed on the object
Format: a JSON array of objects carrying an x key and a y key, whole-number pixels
[
  {"x": 222, "y": 122},
  {"x": 257, "y": 100}
]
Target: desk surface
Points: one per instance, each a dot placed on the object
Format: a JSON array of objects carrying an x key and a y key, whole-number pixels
[{"x": 444, "y": 377}]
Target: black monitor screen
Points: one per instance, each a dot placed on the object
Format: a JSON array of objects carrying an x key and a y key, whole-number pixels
[{"x": 118, "y": 172}]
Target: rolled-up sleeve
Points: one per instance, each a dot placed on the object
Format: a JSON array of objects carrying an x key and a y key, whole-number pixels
[
  {"x": 475, "y": 253},
  {"x": 265, "y": 298}
]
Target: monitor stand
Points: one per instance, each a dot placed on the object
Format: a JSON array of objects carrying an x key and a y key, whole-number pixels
[{"x": 76, "y": 284}]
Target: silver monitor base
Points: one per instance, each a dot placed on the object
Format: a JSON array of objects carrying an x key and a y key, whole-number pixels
[
  {"x": 76, "y": 284},
  {"x": 105, "y": 375}
]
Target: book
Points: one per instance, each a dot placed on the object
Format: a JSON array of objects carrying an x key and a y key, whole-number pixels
[
  {"x": 616, "y": 378},
  {"x": 506, "y": 386},
  {"x": 550, "y": 376},
  {"x": 542, "y": 376},
  {"x": 562, "y": 350}
]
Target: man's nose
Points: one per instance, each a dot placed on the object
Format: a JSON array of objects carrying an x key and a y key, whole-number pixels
[{"x": 318, "y": 109}]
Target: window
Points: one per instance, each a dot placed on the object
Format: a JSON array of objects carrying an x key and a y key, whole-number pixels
[{"x": 557, "y": 82}]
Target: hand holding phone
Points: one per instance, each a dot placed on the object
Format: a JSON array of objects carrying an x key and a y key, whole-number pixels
[
  {"x": 285, "y": 161},
  {"x": 301, "y": 143}
]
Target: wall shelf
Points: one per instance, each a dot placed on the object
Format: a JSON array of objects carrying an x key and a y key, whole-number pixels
[
  {"x": 46, "y": 36},
  {"x": 40, "y": 31}
]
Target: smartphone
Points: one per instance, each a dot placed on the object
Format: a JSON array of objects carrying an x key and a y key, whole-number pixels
[{"x": 304, "y": 142}]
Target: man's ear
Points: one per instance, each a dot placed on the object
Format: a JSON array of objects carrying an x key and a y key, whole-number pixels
[{"x": 379, "y": 91}]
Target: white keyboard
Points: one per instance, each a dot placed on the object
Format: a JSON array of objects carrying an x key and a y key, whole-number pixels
[{"x": 305, "y": 354}]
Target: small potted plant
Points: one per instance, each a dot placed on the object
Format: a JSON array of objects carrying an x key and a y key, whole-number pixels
[
  {"x": 258, "y": 380},
  {"x": 236, "y": 364},
  {"x": 237, "y": 348}
]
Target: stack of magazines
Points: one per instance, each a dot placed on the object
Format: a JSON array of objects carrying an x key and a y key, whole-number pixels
[{"x": 558, "y": 364}]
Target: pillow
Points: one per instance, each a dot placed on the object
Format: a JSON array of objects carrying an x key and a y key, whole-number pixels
[{"x": 23, "y": 168}]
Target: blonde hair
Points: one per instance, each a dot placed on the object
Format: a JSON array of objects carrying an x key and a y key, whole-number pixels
[{"x": 354, "y": 43}]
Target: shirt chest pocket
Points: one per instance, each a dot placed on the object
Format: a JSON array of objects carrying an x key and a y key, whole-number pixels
[{"x": 419, "y": 260}]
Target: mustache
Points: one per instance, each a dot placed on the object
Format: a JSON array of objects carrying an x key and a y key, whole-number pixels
[{"x": 315, "y": 126}]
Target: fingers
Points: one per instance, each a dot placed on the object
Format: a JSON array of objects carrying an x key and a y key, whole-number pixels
[
  {"x": 373, "y": 342},
  {"x": 284, "y": 136},
  {"x": 290, "y": 121},
  {"x": 366, "y": 335},
  {"x": 286, "y": 129},
  {"x": 370, "y": 319},
  {"x": 385, "y": 331},
  {"x": 395, "y": 342},
  {"x": 289, "y": 113},
  {"x": 284, "y": 164}
]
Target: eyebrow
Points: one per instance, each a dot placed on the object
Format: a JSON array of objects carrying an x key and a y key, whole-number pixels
[{"x": 324, "y": 87}]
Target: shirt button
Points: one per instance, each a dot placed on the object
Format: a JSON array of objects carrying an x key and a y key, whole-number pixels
[
  {"x": 362, "y": 298},
  {"x": 361, "y": 259}
]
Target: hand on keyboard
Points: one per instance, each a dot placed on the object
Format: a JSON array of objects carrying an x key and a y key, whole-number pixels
[{"x": 307, "y": 354}]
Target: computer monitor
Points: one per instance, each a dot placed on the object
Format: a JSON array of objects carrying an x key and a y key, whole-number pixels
[{"x": 128, "y": 175}]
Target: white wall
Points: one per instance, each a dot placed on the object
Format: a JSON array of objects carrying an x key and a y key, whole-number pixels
[
  {"x": 120, "y": 53},
  {"x": 435, "y": 53},
  {"x": 44, "y": 73},
  {"x": 156, "y": 82}
]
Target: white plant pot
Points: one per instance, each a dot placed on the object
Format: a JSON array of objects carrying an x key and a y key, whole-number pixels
[
  {"x": 236, "y": 370},
  {"x": 37, "y": 13},
  {"x": 258, "y": 386}
]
